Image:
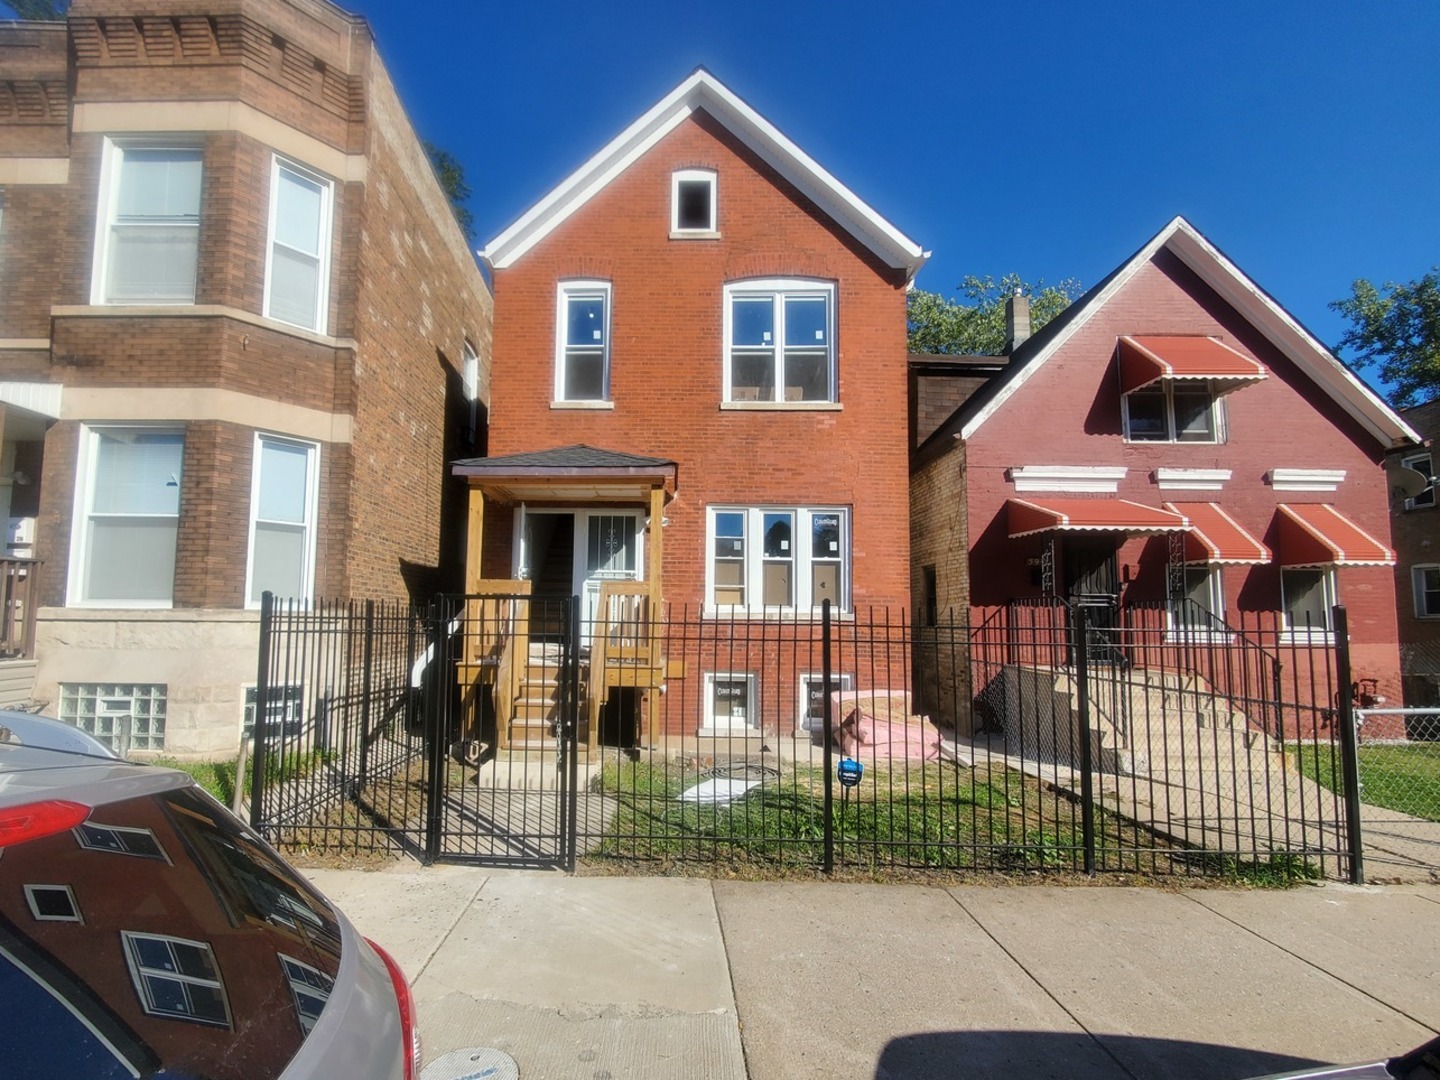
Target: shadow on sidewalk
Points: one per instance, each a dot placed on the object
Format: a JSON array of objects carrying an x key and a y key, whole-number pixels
[{"x": 993, "y": 1055}]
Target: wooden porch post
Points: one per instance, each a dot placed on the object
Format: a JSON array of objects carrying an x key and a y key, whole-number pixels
[
  {"x": 655, "y": 550},
  {"x": 474, "y": 541}
]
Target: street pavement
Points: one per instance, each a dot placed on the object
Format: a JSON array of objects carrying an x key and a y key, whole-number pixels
[{"x": 604, "y": 978}]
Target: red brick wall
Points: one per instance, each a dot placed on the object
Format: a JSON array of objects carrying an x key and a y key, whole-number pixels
[
  {"x": 1284, "y": 421},
  {"x": 666, "y": 360}
]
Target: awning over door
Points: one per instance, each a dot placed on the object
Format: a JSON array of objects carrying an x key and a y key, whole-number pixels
[
  {"x": 1216, "y": 537},
  {"x": 1145, "y": 360},
  {"x": 1025, "y": 516},
  {"x": 1316, "y": 534}
]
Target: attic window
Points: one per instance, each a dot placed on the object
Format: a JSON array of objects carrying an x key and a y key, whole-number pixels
[{"x": 692, "y": 203}]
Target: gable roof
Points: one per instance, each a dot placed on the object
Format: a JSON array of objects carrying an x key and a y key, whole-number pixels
[
  {"x": 1217, "y": 271},
  {"x": 701, "y": 90}
]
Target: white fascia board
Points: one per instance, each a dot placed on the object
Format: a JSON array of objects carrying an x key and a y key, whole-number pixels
[
  {"x": 36, "y": 397},
  {"x": 1121, "y": 279},
  {"x": 1090, "y": 478},
  {"x": 1290, "y": 337},
  {"x": 703, "y": 90},
  {"x": 1191, "y": 479},
  {"x": 1306, "y": 479}
]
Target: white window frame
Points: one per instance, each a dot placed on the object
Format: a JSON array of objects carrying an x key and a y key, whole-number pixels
[
  {"x": 112, "y": 157},
  {"x": 803, "y": 720},
  {"x": 692, "y": 176},
  {"x": 312, "y": 512},
  {"x": 564, "y": 292},
  {"x": 1426, "y": 499},
  {"x": 120, "y": 831},
  {"x": 1417, "y": 586},
  {"x": 80, "y": 539},
  {"x": 139, "y": 973},
  {"x": 752, "y": 702},
  {"x": 801, "y": 559},
  {"x": 1215, "y": 586},
  {"x": 778, "y": 290},
  {"x": 1323, "y": 632},
  {"x": 327, "y": 215},
  {"x": 320, "y": 987},
  {"x": 1217, "y": 417},
  {"x": 32, "y": 899},
  {"x": 470, "y": 384}
]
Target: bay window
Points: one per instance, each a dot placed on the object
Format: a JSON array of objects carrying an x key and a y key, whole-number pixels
[
  {"x": 297, "y": 256},
  {"x": 283, "y": 500},
  {"x": 148, "y": 227}
]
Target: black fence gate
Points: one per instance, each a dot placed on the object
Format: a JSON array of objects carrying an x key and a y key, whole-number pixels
[{"x": 523, "y": 730}]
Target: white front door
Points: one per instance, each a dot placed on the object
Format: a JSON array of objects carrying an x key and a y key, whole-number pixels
[{"x": 605, "y": 546}]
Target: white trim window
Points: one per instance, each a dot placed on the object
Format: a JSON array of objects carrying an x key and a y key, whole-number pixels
[
  {"x": 176, "y": 978},
  {"x": 147, "y": 232},
  {"x": 731, "y": 699},
  {"x": 776, "y": 559},
  {"x": 1177, "y": 411},
  {"x": 284, "y": 500},
  {"x": 582, "y": 341},
  {"x": 310, "y": 989},
  {"x": 810, "y": 701},
  {"x": 470, "y": 384},
  {"x": 780, "y": 342},
  {"x": 692, "y": 202},
  {"x": 1201, "y": 604},
  {"x": 127, "y": 506},
  {"x": 1307, "y": 595},
  {"x": 53, "y": 903},
  {"x": 1426, "y": 583},
  {"x": 1424, "y": 465},
  {"x": 297, "y": 249}
]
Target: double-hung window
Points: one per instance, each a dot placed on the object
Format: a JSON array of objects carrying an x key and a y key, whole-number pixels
[
  {"x": 1200, "y": 605},
  {"x": 1308, "y": 595},
  {"x": 1426, "y": 580},
  {"x": 778, "y": 559},
  {"x": 297, "y": 257},
  {"x": 283, "y": 501},
  {"x": 148, "y": 228},
  {"x": 780, "y": 342},
  {"x": 1173, "y": 411},
  {"x": 582, "y": 347},
  {"x": 128, "y": 514}
]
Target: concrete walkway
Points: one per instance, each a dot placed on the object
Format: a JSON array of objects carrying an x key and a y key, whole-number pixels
[{"x": 604, "y": 978}]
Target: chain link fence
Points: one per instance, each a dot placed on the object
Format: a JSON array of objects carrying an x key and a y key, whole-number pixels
[{"x": 1399, "y": 758}]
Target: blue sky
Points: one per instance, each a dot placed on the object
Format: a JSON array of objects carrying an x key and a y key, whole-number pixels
[{"x": 1049, "y": 139}]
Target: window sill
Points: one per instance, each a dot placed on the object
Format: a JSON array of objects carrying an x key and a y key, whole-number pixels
[
  {"x": 1198, "y": 637},
  {"x": 1173, "y": 442},
  {"x": 694, "y": 234},
  {"x": 773, "y": 614},
  {"x": 781, "y": 406},
  {"x": 1307, "y": 637},
  {"x": 600, "y": 405},
  {"x": 195, "y": 311}
]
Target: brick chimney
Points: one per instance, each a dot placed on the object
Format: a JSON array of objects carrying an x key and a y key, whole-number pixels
[{"x": 1017, "y": 321}]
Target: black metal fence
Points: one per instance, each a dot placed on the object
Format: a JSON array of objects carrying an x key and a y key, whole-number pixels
[{"x": 516, "y": 730}]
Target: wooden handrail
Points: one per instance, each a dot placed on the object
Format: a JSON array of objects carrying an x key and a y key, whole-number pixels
[
  {"x": 497, "y": 632},
  {"x": 17, "y": 608},
  {"x": 623, "y": 634}
]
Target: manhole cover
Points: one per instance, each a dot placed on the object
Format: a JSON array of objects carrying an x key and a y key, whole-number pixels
[{"x": 474, "y": 1063}]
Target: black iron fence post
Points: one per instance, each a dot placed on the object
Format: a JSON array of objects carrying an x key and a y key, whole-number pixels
[
  {"x": 1082, "y": 692},
  {"x": 436, "y": 684},
  {"x": 570, "y": 733},
  {"x": 262, "y": 702},
  {"x": 826, "y": 711},
  {"x": 367, "y": 683},
  {"x": 1349, "y": 745}
]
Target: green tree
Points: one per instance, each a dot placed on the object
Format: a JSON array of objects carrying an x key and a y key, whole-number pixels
[
  {"x": 451, "y": 175},
  {"x": 1396, "y": 330},
  {"x": 975, "y": 324},
  {"x": 38, "y": 9}
]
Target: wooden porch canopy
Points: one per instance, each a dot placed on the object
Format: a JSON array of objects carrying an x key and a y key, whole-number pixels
[
  {"x": 1026, "y": 517},
  {"x": 1316, "y": 534},
  {"x": 1150, "y": 359},
  {"x": 1216, "y": 537},
  {"x": 565, "y": 474}
]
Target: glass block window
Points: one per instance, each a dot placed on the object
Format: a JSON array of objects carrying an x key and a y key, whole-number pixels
[{"x": 124, "y": 716}]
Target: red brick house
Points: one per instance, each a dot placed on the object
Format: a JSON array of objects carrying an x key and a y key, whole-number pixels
[
  {"x": 240, "y": 335},
  {"x": 1175, "y": 438},
  {"x": 700, "y": 384}
]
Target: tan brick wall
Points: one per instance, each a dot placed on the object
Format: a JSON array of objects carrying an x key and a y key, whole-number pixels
[{"x": 939, "y": 539}]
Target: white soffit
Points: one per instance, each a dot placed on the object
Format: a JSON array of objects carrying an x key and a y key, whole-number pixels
[
  {"x": 701, "y": 90},
  {"x": 1191, "y": 479},
  {"x": 1259, "y": 309},
  {"x": 1093, "y": 478},
  {"x": 35, "y": 397},
  {"x": 1306, "y": 479}
]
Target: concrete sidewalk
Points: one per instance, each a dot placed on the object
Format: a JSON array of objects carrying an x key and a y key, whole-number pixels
[{"x": 604, "y": 978}]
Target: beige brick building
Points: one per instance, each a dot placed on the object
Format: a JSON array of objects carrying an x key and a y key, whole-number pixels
[{"x": 240, "y": 335}]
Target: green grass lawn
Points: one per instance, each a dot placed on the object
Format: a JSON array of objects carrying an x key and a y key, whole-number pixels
[{"x": 1402, "y": 777}]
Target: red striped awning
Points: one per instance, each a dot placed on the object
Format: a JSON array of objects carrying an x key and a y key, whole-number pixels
[
  {"x": 1216, "y": 537},
  {"x": 1316, "y": 534},
  {"x": 1144, "y": 360},
  {"x": 1025, "y": 517}
]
